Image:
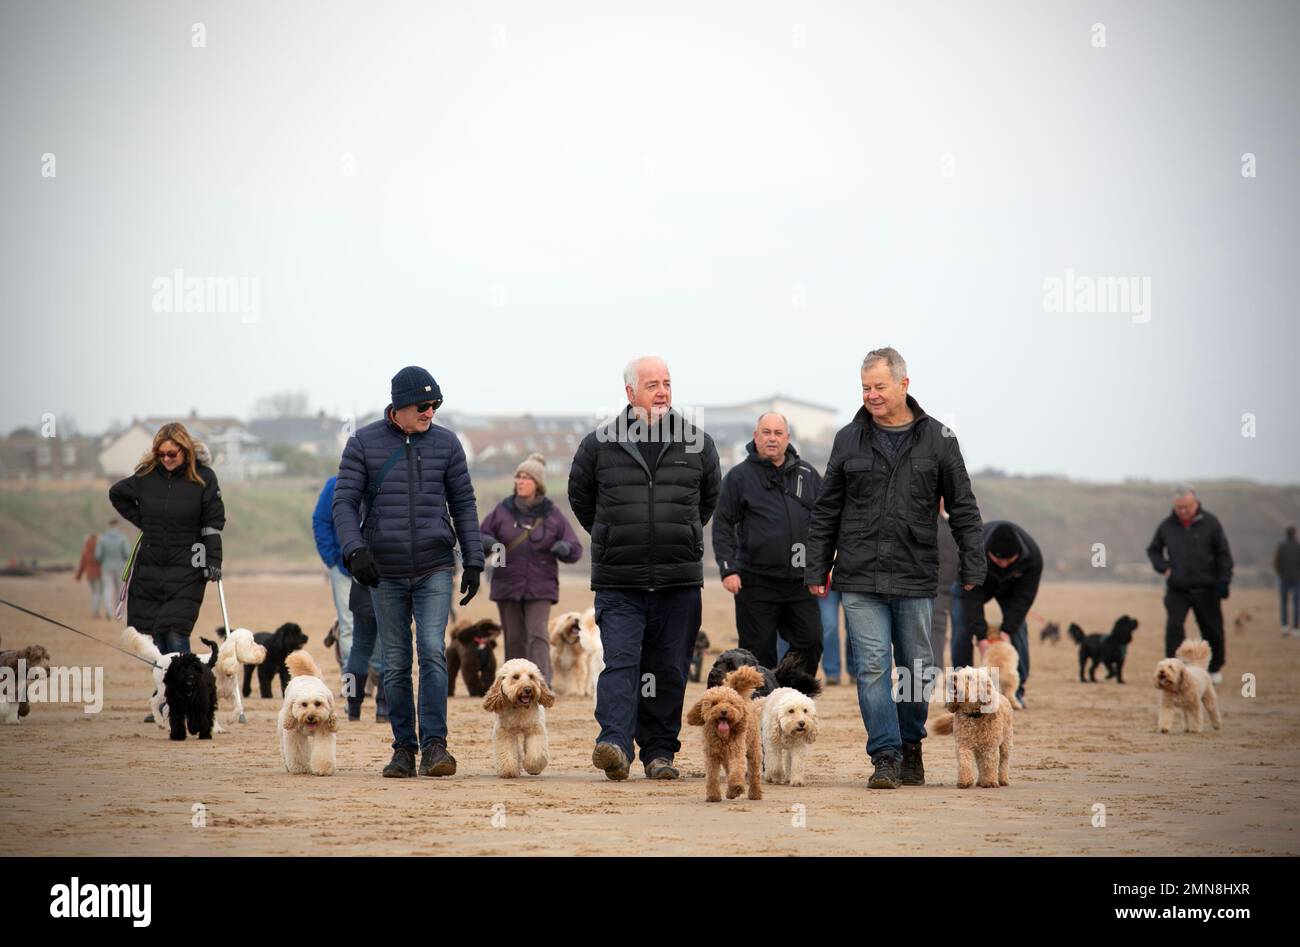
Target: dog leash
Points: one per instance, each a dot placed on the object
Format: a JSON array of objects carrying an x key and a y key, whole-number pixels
[{"x": 52, "y": 621}]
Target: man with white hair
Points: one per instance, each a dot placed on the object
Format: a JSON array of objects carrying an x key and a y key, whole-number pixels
[
  {"x": 1191, "y": 550},
  {"x": 644, "y": 485},
  {"x": 876, "y": 523}
]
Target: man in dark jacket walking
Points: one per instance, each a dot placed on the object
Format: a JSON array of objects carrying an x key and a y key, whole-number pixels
[
  {"x": 1015, "y": 569},
  {"x": 1191, "y": 550},
  {"x": 1286, "y": 563},
  {"x": 760, "y": 536},
  {"x": 402, "y": 499},
  {"x": 876, "y": 523},
  {"x": 644, "y": 485}
]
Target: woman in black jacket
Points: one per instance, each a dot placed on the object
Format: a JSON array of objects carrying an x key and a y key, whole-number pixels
[{"x": 174, "y": 499}]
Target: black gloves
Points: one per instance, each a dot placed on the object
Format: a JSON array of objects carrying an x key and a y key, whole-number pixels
[
  {"x": 561, "y": 548},
  {"x": 362, "y": 566},
  {"x": 213, "y": 573},
  {"x": 1223, "y": 590},
  {"x": 469, "y": 583}
]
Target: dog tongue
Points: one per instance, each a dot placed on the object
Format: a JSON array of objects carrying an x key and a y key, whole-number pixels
[{"x": 724, "y": 727}]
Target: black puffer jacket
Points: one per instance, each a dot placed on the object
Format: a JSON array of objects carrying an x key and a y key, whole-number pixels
[
  {"x": 1196, "y": 555},
  {"x": 762, "y": 521},
  {"x": 175, "y": 514},
  {"x": 1014, "y": 587},
  {"x": 646, "y": 524},
  {"x": 878, "y": 526}
]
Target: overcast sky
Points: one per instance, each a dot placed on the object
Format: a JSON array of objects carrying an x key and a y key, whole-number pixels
[{"x": 522, "y": 195}]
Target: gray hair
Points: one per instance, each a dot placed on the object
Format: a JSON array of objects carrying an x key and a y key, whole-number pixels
[
  {"x": 783, "y": 418},
  {"x": 632, "y": 371},
  {"x": 1183, "y": 489},
  {"x": 897, "y": 367}
]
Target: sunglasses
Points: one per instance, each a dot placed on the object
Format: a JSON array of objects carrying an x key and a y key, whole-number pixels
[
  {"x": 424, "y": 406},
  {"x": 169, "y": 454}
]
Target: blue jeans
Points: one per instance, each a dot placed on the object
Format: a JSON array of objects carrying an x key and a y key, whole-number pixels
[
  {"x": 340, "y": 586},
  {"x": 364, "y": 656},
  {"x": 172, "y": 642},
  {"x": 878, "y": 625},
  {"x": 428, "y": 601},
  {"x": 830, "y": 609},
  {"x": 1290, "y": 590}
]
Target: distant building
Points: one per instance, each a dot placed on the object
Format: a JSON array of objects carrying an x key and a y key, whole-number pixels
[
  {"x": 496, "y": 444},
  {"x": 812, "y": 426},
  {"x": 237, "y": 454},
  {"x": 32, "y": 457},
  {"x": 319, "y": 435}
]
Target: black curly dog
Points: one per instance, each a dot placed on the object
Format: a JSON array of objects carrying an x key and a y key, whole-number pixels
[
  {"x": 191, "y": 694},
  {"x": 1109, "y": 650},
  {"x": 279, "y": 644},
  {"x": 789, "y": 673},
  {"x": 471, "y": 654}
]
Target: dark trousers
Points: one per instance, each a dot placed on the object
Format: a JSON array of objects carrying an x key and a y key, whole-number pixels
[
  {"x": 172, "y": 642},
  {"x": 766, "y": 608},
  {"x": 649, "y": 638},
  {"x": 1206, "y": 605}
]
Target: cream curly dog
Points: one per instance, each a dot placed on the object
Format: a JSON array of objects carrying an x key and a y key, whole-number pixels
[
  {"x": 732, "y": 734},
  {"x": 789, "y": 726},
  {"x": 1000, "y": 655},
  {"x": 571, "y": 661},
  {"x": 1184, "y": 684},
  {"x": 307, "y": 722},
  {"x": 981, "y": 719},
  {"x": 518, "y": 697}
]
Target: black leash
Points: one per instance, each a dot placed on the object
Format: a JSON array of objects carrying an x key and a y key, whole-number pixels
[{"x": 28, "y": 611}]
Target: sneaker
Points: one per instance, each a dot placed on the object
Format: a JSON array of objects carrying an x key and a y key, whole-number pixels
[
  {"x": 149, "y": 719},
  {"x": 886, "y": 775},
  {"x": 436, "y": 761},
  {"x": 832, "y": 681},
  {"x": 401, "y": 765},
  {"x": 1217, "y": 677},
  {"x": 912, "y": 770},
  {"x": 661, "y": 768},
  {"x": 611, "y": 759}
]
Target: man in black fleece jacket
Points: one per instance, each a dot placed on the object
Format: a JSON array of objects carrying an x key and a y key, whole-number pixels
[
  {"x": 760, "y": 535},
  {"x": 1014, "y": 571}
]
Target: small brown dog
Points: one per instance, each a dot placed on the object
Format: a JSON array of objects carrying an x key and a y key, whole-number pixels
[
  {"x": 732, "y": 734},
  {"x": 1001, "y": 656},
  {"x": 1184, "y": 684},
  {"x": 981, "y": 721},
  {"x": 34, "y": 657},
  {"x": 471, "y": 653}
]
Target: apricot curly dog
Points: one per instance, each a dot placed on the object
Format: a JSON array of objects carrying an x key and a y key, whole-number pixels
[{"x": 732, "y": 733}]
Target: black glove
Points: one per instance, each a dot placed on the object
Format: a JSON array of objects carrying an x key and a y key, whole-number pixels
[
  {"x": 213, "y": 573},
  {"x": 1223, "y": 590},
  {"x": 362, "y": 566},
  {"x": 561, "y": 548},
  {"x": 469, "y": 583}
]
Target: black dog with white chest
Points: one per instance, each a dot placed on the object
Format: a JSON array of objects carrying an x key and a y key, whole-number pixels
[
  {"x": 279, "y": 644},
  {"x": 1109, "y": 650},
  {"x": 191, "y": 690}
]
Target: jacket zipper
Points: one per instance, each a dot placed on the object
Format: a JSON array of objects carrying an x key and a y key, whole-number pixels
[{"x": 410, "y": 502}]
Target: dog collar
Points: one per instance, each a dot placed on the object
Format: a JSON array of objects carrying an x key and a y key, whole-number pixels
[{"x": 977, "y": 713}]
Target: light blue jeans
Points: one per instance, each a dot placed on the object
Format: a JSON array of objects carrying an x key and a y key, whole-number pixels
[
  {"x": 340, "y": 586},
  {"x": 884, "y": 629},
  {"x": 428, "y": 601}
]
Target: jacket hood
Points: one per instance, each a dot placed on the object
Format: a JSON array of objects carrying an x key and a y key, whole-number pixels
[{"x": 201, "y": 454}]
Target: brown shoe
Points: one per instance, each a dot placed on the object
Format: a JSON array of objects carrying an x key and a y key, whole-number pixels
[
  {"x": 662, "y": 768},
  {"x": 611, "y": 759}
]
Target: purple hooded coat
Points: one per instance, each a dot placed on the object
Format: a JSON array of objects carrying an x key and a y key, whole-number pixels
[{"x": 530, "y": 571}]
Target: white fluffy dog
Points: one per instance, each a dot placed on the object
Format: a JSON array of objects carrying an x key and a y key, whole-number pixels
[
  {"x": 307, "y": 722},
  {"x": 518, "y": 697},
  {"x": 1184, "y": 684},
  {"x": 238, "y": 648},
  {"x": 571, "y": 656},
  {"x": 789, "y": 727}
]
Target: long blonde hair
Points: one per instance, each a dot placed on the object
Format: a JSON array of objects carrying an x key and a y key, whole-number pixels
[{"x": 178, "y": 435}]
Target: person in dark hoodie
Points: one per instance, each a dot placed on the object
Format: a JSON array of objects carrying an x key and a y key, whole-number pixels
[
  {"x": 1015, "y": 568},
  {"x": 1191, "y": 550},
  {"x": 1286, "y": 563},
  {"x": 760, "y": 535}
]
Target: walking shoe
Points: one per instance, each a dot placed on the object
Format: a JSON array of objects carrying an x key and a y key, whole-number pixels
[
  {"x": 611, "y": 759},
  {"x": 401, "y": 765},
  {"x": 661, "y": 768},
  {"x": 886, "y": 775},
  {"x": 149, "y": 719},
  {"x": 912, "y": 769},
  {"x": 436, "y": 761}
]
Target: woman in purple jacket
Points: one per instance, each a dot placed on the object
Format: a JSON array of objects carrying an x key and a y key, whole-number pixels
[{"x": 529, "y": 536}]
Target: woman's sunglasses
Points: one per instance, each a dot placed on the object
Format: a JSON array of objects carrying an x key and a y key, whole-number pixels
[
  {"x": 169, "y": 454},
  {"x": 424, "y": 406}
]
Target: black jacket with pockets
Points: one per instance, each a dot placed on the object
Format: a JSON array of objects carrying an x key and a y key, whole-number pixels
[
  {"x": 761, "y": 524},
  {"x": 878, "y": 525},
  {"x": 646, "y": 524},
  {"x": 1197, "y": 555}
]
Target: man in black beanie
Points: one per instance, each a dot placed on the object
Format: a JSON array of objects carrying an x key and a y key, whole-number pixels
[
  {"x": 1015, "y": 567},
  {"x": 402, "y": 501}
]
